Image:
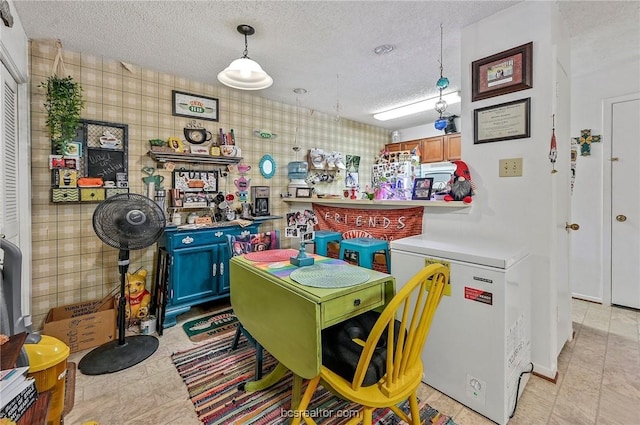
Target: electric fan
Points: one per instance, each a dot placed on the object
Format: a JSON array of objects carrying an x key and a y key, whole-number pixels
[{"x": 125, "y": 221}]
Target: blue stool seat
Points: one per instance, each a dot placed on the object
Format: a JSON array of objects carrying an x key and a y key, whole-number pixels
[
  {"x": 366, "y": 249},
  {"x": 323, "y": 237}
]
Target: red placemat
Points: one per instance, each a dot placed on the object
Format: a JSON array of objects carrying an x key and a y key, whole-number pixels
[{"x": 272, "y": 255}]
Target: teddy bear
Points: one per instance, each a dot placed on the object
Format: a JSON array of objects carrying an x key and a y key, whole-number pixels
[
  {"x": 461, "y": 186},
  {"x": 137, "y": 296}
]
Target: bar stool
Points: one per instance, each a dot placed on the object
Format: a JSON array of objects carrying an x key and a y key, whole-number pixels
[
  {"x": 366, "y": 249},
  {"x": 323, "y": 237}
]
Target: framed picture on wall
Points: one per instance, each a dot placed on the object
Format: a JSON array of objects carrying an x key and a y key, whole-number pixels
[
  {"x": 195, "y": 106},
  {"x": 502, "y": 73},
  {"x": 422, "y": 188}
]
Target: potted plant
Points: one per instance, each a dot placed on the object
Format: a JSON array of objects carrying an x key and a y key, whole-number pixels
[{"x": 63, "y": 105}]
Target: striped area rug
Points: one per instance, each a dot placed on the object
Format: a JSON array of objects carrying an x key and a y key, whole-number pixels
[{"x": 212, "y": 373}]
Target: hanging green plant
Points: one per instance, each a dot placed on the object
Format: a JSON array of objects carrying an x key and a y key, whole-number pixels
[{"x": 63, "y": 104}]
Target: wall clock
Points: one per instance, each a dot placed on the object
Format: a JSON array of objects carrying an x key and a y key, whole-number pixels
[{"x": 197, "y": 136}]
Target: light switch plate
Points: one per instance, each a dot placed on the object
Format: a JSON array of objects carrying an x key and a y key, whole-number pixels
[{"x": 510, "y": 167}]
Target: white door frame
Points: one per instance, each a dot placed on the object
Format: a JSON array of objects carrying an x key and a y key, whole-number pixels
[{"x": 607, "y": 115}]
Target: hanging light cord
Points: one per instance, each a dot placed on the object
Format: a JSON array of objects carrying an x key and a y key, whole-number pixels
[
  {"x": 246, "y": 48},
  {"x": 441, "y": 66}
]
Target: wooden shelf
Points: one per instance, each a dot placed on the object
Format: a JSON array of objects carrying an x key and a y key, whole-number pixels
[
  {"x": 381, "y": 204},
  {"x": 162, "y": 157}
]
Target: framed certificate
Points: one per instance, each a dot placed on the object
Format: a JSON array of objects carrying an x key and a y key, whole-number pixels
[{"x": 505, "y": 121}]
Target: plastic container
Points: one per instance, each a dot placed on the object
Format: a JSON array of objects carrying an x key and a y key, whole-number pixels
[
  {"x": 48, "y": 367},
  {"x": 297, "y": 170}
]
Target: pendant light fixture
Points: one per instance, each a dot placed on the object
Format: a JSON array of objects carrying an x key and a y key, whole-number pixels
[
  {"x": 244, "y": 73},
  {"x": 441, "y": 84}
]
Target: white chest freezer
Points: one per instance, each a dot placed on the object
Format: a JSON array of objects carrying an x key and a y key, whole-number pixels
[{"x": 480, "y": 338}]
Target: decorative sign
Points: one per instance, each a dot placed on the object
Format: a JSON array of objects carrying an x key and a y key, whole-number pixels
[
  {"x": 502, "y": 122},
  {"x": 195, "y": 181},
  {"x": 387, "y": 224},
  {"x": 194, "y": 106}
]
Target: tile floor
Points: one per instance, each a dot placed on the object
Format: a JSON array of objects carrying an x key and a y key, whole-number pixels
[{"x": 598, "y": 381}]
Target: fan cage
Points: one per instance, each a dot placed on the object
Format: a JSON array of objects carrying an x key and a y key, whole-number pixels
[{"x": 129, "y": 221}]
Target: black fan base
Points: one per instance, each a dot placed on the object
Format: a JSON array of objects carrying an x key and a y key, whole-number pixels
[{"x": 113, "y": 356}]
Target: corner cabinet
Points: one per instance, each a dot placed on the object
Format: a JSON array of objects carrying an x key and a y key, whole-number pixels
[{"x": 197, "y": 266}]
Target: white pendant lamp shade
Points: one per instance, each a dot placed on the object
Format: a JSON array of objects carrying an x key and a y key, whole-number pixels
[{"x": 245, "y": 74}]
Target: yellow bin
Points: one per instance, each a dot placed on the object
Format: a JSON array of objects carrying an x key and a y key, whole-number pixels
[{"x": 48, "y": 367}]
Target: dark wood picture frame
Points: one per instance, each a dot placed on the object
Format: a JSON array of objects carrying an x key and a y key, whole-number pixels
[
  {"x": 506, "y": 121},
  {"x": 303, "y": 192},
  {"x": 194, "y": 106},
  {"x": 505, "y": 72},
  {"x": 422, "y": 187}
]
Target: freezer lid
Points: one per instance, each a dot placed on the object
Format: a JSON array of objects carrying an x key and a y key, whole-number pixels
[{"x": 484, "y": 252}]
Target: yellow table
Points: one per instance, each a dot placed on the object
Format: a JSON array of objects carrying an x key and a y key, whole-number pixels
[{"x": 286, "y": 318}]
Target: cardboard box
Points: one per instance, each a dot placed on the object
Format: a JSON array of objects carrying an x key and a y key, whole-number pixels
[{"x": 83, "y": 325}]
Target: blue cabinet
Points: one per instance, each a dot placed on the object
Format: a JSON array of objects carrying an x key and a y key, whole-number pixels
[{"x": 198, "y": 266}]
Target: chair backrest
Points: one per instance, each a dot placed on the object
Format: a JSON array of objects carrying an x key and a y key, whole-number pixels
[
  {"x": 251, "y": 242},
  {"x": 415, "y": 305}
]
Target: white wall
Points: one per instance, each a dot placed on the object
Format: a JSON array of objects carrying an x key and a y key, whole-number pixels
[
  {"x": 589, "y": 90},
  {"x": 519, "y": 210}
]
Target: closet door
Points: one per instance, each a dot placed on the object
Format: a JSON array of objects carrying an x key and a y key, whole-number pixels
[{"x": 9, "y": 210}]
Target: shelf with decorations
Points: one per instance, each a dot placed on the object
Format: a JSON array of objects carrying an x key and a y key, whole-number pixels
[{"x": 164, "y": 156}]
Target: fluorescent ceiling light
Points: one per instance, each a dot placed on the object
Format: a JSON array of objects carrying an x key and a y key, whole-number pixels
[{"x": 414, "y": 108}]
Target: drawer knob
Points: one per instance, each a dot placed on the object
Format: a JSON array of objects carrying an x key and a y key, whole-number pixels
[
  {"x": 187, "y": 240},
  {"x": 356, "y": 302}
]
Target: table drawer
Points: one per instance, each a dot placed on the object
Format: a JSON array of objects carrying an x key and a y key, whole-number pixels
[
  {"x": 341, "y": 308},
  {"x": 92, "y": 194},
  {"x": 191, "y": 239}
]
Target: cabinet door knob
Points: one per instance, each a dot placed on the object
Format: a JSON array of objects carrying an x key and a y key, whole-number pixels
[
  {"x": 356, "y": 302},
  {"x": 214, "y": 269},
  {"x": 187, "y": 240},
  {"x": 221, "y": 269}
]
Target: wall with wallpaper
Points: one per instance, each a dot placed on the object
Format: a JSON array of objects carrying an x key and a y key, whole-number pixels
[{"x": 70, "y": 263}]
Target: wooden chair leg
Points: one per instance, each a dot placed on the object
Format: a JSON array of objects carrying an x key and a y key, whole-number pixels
[
  {"x": 367, "y": 415},
  {"x": 306, "y": 399},
  {"x": 415, "y": 410}
]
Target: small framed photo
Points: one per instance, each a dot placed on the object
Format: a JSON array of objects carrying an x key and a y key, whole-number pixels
[
  {"x": 502, "y": 73},
  {"x": 195, "y": 106},
  {"x": 303, "y": 192},
  {"x": 292, "y": 232},
  {"x": 73, "y": 149},
  {"x": 422, "y": 188},
  {"x": 308, "y": 236}
]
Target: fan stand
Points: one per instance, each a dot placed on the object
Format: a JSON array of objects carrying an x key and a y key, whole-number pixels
[{"x": 126, "y": 351}]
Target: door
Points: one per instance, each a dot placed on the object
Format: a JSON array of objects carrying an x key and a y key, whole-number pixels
[
  {"x": 9, "y": 208},
  {"x": 561, "y": 210},
  {"x": 625, "y": 203}
]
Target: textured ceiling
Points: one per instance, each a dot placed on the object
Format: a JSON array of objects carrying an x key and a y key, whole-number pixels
[{"x": 307, "y": 43}]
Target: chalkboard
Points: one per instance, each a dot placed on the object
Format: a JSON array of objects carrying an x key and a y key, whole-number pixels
[
  {"x": 105, "y": 163},
  {"x": 102, "y": 161}
]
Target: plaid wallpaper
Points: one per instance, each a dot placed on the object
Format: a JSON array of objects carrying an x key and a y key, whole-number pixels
[{"x": 70, "y": 263}]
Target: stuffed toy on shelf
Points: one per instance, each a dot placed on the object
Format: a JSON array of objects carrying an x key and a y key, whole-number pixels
[{"x": 461, "y": 188}]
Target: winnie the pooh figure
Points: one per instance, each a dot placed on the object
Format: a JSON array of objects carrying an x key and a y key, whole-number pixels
[{"x": 137, "y": 296}]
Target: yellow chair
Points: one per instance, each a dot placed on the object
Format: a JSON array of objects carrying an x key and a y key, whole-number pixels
[{"x": 415, "y": 306}]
